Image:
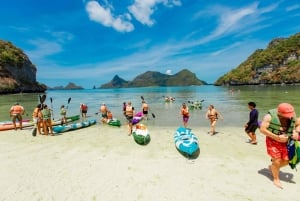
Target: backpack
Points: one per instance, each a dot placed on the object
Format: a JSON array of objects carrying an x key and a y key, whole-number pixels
[{"x": 293, "y": 147}]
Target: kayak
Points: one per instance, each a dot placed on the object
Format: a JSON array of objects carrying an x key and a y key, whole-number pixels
[
  {"x": 114, "y": 122},
  {"x": 195, "y": 104},
  {"x": 10, "y": 122},
  {"x": 73, "y": 126},
  {"x": 137, "y": 118},
  {"x": 25, "y": 124},
  {"x": 186, "y": 142},
  {"x": 4, "y": 127},
  {"x": 141, "y": 134}
]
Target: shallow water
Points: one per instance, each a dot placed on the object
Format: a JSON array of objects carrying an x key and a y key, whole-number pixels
[{"x": 231, "y": 103}]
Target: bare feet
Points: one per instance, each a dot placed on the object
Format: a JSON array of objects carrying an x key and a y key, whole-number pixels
[{"x": 277, "y": 184}]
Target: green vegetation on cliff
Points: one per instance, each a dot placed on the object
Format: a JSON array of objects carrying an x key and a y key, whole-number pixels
[
  {"x": 278, "y": 63},
  {"x": 17, "y": 73}
]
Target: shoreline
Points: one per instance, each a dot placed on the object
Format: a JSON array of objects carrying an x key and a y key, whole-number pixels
[{"x": 103, "y": 163}]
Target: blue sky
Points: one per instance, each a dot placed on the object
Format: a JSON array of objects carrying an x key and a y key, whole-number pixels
[{"x": 89, "y": 42}]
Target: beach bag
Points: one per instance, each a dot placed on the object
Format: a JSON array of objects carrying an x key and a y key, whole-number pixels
[{"x": 293, "y": 152}]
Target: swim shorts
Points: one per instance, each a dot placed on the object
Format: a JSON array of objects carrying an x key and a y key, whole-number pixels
[{"x": 276, "y": 149}]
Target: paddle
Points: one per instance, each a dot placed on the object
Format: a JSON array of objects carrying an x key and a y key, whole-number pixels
[
  {"x": 69, "y": 100},
  {"x": 42, "y": 99},
  {"x": 51, "y": 100},
  {"x": 153, "y": 115}
]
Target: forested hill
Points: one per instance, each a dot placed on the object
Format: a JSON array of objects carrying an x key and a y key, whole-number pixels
[
  {"x": 152, "y": 78},
  {"x": 277, "y": 64}
]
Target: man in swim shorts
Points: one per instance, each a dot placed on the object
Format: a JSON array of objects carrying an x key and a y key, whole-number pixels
[{"x": 277, "y": 125}]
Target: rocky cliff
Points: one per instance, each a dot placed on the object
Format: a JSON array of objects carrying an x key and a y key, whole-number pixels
[
  {"x": 17, "y": 73},
  {"x": 279, "y": 63}
]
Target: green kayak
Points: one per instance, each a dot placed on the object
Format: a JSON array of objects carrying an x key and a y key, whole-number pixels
[{"x": 141, "y": 134}]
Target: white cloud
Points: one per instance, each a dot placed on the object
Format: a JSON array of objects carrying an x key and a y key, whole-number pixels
[
  {"x": 293, "y": 7},
  {"x": 143, "y": 9},
  {"x": 169, "y": 72},
  {"x": 105, "y": 17},
  {"x": 43, "y": 48}
]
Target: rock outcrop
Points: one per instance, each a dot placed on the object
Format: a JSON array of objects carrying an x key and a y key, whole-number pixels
[{"x": 17, "y": 73}]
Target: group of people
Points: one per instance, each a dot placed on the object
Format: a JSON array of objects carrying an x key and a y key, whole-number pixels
[
  {"x": 106, "y": 114},
  {"x": 42, "y": 117},
  {"x": 129, "y": 112},
  {"x": 212, "y": 115},
  {"x": 279, "y": 126}
]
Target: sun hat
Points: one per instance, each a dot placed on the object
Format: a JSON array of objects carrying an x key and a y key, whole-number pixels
[{"x": 286, "y": 110}]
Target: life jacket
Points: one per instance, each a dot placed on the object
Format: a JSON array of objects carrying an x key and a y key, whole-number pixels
[
  {"x": 84, "y": 107},
  {"x": 129, "y": 111},
  {"x": 63, "y": 111},
  {"x": 35, "y": 112},
  {"x": 275, "y": 124},
  {"x": 17, "y": 109},
  {"x": 46, "y": 113},
  {"x": 185, "y": 112}
]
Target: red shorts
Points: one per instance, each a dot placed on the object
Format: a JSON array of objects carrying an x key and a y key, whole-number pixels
[{"x": 276, "y": 149}]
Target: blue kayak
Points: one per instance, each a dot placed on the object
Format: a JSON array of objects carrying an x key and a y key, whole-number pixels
[
  {"x": 185, "y": 141},
  {"x": 74, "y": 126}
]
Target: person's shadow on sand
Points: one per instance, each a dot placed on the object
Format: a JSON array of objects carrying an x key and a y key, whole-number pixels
[{"x": 283, "y": 176}]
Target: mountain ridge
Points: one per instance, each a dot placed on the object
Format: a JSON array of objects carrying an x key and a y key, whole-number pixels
[{"x": 154, "y": 78}]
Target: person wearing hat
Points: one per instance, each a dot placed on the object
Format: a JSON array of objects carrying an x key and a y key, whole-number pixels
[
  {"x": 16, "y": 112},
  {"x": 277, "y": 125}
]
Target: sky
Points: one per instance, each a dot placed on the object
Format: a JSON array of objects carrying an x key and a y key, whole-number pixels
[{"x": 89, "y": 42}]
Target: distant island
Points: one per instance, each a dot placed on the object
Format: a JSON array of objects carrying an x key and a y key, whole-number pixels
[
  {"x": 70, "y": 86},
  {"x": 279, "y": 63},
  {"x": 153, "y": 78}
]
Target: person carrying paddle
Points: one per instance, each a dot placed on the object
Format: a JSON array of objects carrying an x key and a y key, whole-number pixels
[
  {"x": 145, "y": 109},
  {"x": 277, "y": 126},
  {"x": 63, "y": 114},
  {"x": 129, "y": 113},
  {"x": 37, "y": 118},
  {"x": 16, "y": 112}
]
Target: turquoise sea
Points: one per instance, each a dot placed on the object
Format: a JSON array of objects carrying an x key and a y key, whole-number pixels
[{"x": 231, "y": 102}]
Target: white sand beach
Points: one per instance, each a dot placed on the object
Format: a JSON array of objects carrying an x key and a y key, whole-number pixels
[{"x": 102, "y": 163}]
